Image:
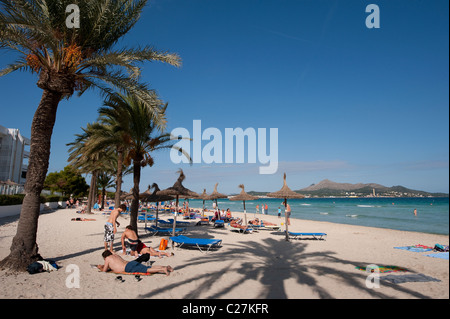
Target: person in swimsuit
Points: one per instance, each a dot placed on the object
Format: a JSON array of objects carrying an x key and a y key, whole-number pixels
[
  {"x": 110, "y": 226},
  {"x": 137, "y": 247},
  {"x": 116, "y": 264}
]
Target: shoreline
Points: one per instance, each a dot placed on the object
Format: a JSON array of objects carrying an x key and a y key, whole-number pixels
[{"x": 260, "y": 265}]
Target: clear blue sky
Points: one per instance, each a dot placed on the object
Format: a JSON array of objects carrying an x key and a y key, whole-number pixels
[{"x": 351, "y": 104}]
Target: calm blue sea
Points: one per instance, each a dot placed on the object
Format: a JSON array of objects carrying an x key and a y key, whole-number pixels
[{"x": 393, "y": 213}]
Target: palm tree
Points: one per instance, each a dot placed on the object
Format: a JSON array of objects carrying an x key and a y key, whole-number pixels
[
  {"x": 67, "y": 60},
  {"x": 85, "y": 155},
  {"x": 143, "y": 133},
  {"x": 104, "y": 180}
]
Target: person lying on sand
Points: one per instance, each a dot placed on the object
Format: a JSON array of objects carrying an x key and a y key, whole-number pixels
[
  {"x": 82, "y": 219},
  {"x": 137, "y": 247},
  {"x": 256, "y": 221},
  {"x": 116, "y": 264},
  {"x": 237, "y": 223}
]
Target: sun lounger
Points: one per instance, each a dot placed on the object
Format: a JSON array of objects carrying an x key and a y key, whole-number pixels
[
  {"x": 165, "y": 223},
  {"x": 219, "y": 223},
  {"x": 197, "y": 242},
  {"x": 163, "y": 231},
  {"x": 179, "y": 223},
  {"x": 248, "y": 229},
  {"x": 141, "y": 218},
  {"x": 296, "y": 235}
]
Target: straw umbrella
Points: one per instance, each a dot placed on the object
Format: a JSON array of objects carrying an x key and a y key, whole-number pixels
[
  {"x": 285, "y": 192},
  {"x": 178, "y": 190},
  {"x": 215, "y": 195},
  {"x": 153, "y": 197},
  {"x": 203, "y": 196},
  {"x": 243, "y": 196}
]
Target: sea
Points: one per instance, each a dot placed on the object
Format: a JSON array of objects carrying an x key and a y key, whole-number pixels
[{"x": 392, "y": 213}]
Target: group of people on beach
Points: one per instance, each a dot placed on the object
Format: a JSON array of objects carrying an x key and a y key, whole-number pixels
[{"x": 117, "y": 264}]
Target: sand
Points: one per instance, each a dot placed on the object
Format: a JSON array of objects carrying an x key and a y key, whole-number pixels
[{"x": 260, "y": 265}]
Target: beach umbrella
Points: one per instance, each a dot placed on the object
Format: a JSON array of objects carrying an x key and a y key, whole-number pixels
[
  {"x": 285, "y": 192},
  {"x": 215, "y": 195},
  {"x": 203, "y": 196},
  {"x": 243, "y": 196},
  {"x": 154, "y": 197},
  {"x": 178, "y": 190}
]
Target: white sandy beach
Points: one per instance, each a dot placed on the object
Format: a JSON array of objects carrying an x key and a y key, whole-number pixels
[{"x": 247, "y": 266}]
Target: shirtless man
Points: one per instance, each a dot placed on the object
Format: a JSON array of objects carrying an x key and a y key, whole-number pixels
[
  {"x": 116, "y": 264},
  {"x": 138, "y": 247},
  {"x": 110, "y": 226}
]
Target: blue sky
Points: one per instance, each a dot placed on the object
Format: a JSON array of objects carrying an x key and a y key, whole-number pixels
[{"x": 351, "y": 104}]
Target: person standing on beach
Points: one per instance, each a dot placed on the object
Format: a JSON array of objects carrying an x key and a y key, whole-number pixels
[
  {"x": 288, "y": 212},
  {"x": 279, "y": 212},
  {"x": 257, "y": 209},
  {"x": 267, "y": 210},
  {"x": 110, "y": 226}
]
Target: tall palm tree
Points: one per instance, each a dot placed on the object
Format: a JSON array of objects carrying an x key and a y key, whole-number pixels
[
  {"x": 67, "y": 60},
  {"x": 85, "y": 155},
  {"x": 143, "y": 133}
]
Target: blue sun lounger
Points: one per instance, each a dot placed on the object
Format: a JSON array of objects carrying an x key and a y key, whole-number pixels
[
  {"x": 296, "y": 235},
  {"x": 219, "y": 223},
  {"x": 163, "y": 231},
  {"x": 141, "y": 218},
  {"x": 197, "y": 242},
  {"x": 179, "y": 223}
]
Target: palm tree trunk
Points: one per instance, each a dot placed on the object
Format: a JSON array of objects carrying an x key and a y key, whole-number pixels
[
  {"x": 135, "y": 203},
  {"x": 24, "y": 249},
  {"x": 92, "y": 192},
  {"x": 119, "y": 177}
]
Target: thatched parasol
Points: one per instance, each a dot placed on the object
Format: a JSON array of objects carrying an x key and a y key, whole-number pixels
[
  {"x": 178, "y": 190},
  {"x": 203, "y": 196},
  {"x": 243, "y": 196},
  {"x": 285, "y": 192},
  {"x": 154, "y": 197},
  {"x": 215, "y": 195}
]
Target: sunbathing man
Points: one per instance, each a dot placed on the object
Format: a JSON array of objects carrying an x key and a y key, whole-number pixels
[
  {"x": 116, "y": 264},
  {"x": 137, "y": 247}
]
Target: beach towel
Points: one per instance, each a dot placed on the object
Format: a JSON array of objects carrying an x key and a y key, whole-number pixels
[
  {"x": 439, "y": 255},
  {"x": 416, "y": 248},
  {"x": 386, "y": 269},
  {"x": 399, "y": 279}
]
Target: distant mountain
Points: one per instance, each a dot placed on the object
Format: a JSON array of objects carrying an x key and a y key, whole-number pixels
[
  {"x": 327, "y": 188},
  {"x": 330, "y": 188},
  {"x": 330, "y": 185}
]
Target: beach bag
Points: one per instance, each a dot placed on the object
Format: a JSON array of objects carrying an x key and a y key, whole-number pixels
[
  {"x": 441, "y": 248},
  {"x": 35, "y": 268},
  {"x": 163, "y": 244}
]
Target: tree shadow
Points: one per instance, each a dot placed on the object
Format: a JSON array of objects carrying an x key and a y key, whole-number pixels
[{"x": 271, "y": 262}]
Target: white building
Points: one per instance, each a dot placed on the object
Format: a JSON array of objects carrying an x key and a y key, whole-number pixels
[{"x": 14, "y": 153}]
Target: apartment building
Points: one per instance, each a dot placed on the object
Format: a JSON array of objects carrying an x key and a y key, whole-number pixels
[{"x": 14, "y": 153}]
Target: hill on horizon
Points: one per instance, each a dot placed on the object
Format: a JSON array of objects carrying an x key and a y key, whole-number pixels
[{"x": 330, "y": 188}]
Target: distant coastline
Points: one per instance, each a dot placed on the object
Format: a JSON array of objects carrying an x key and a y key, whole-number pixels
[{"x": 330, "y": 189}]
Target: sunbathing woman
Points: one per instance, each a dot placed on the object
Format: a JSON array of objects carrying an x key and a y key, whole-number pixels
[
  {"x": 137, "y": 247},
  {"x": 256, "y": 221},
  {"x": 236, "y": 223}
]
